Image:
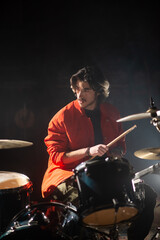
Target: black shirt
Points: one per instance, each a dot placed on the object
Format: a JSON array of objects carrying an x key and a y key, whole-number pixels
[{"x": 95, "y": 117}]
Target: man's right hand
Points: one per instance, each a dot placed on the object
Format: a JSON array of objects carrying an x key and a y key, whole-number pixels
[{"x": 98, "y": 150}]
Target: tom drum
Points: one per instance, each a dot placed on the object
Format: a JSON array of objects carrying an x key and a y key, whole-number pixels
[
  {"x": 107, "y": 192},
  {"x": 15, "y": 189}
]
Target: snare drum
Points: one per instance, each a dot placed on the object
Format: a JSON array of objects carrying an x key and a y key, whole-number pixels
[
  {"x": 15, "y": 189},
  {"x": 106, "y": 191}
]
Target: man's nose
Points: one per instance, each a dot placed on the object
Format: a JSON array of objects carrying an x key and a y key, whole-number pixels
[{"x": 80, "y": 93}]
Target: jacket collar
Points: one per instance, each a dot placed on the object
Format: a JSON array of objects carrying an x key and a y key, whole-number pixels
[
  {"x": 77, "y": 106},
  {"x": 82, "y": 110}
]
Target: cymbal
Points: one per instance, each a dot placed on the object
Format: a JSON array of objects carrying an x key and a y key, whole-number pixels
[
  {"x": 135, "y": 117},
  {"x": 7, "y": 143},
  {"x": 148, "y": 153},
  {"x": 138, "y": 116}
]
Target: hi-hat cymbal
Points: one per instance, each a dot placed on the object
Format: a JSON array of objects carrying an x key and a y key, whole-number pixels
[
  {"x": 7, "y": 143},
  {"x": 148, "y": 153}
]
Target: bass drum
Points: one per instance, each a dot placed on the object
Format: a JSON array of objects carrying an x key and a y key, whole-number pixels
[
  {"x": 15, "y": 189},
  {"x": 50, "y": 221},
  {"x": 107, "y": 192}
]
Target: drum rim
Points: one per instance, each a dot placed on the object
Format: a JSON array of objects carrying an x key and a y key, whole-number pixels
[
  {"x": 92, "y": 209},
  {"x": 80, "y": 167},
  {"x": 30, "y": 209},
  {"x": 21, "y": 174}
]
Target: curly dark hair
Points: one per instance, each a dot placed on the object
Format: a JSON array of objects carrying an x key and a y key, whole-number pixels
[{"x": 95, "y": 78}]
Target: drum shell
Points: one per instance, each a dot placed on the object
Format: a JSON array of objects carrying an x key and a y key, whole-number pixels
[{"x": 12, "y": 200}]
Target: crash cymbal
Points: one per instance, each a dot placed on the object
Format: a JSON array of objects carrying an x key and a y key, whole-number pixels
[
  {"x": 135, "y": 117},
  {"x": 148, "y": 153},
  {"x": 139, "y": 116},
  {"x": 7, "y": 143}
]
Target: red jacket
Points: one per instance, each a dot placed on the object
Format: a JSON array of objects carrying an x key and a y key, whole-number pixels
[{"x": 71, "y": 129}]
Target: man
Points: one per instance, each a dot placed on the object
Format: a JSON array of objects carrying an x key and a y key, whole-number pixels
[{"x": 79, "y": 131}]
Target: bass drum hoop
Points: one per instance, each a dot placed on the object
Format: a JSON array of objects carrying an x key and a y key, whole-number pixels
[{"x": 16, "y": 227}]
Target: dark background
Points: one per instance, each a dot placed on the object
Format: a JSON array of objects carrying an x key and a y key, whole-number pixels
[{"x": 43, "y": 44}]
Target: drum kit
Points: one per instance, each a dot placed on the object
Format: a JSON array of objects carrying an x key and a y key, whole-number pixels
[{"x": 110, "y": 196}]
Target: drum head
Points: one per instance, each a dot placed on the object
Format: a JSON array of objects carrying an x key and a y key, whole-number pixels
[
  {"x": 10, "y": 180},
  {"x": 15, "y": 189},
  {"x": 106, "y": 217}
]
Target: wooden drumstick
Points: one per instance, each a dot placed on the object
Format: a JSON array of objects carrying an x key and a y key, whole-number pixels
[{"x": 118, "y": 138}]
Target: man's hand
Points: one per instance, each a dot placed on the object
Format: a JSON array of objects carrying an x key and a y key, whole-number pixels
[{"x": 98, "y": 150}]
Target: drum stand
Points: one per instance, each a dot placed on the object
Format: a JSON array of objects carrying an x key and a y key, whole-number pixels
[
  {"x": 157, "y": 234},
  {"x": 114, "y": 233}
]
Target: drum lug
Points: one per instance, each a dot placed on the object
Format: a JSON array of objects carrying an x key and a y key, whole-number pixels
[
  {"x": 126, "y": 197},
  {"x": 39, "y": 217},
  {"x": 15, "y": 226},
  {"x": 19, "y": 196},
  {"x": 115, "y": 204},
  {"x": 86, "y": 171}
]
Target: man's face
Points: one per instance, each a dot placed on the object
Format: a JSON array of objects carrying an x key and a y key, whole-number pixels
[{"x": 86, "y": 96}]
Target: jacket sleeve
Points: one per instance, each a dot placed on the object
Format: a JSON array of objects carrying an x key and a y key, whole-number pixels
[{"x": 56, "y": 141}]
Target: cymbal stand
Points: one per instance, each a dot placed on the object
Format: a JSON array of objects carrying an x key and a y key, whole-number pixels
[
  {"x": 114, "y": 233},
  {"x": 155, "y": 114}
]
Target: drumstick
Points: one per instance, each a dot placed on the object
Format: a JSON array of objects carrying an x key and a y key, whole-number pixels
[
  {"x": 122, "y": 135},
  {"x": 118, "y": 138}
]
